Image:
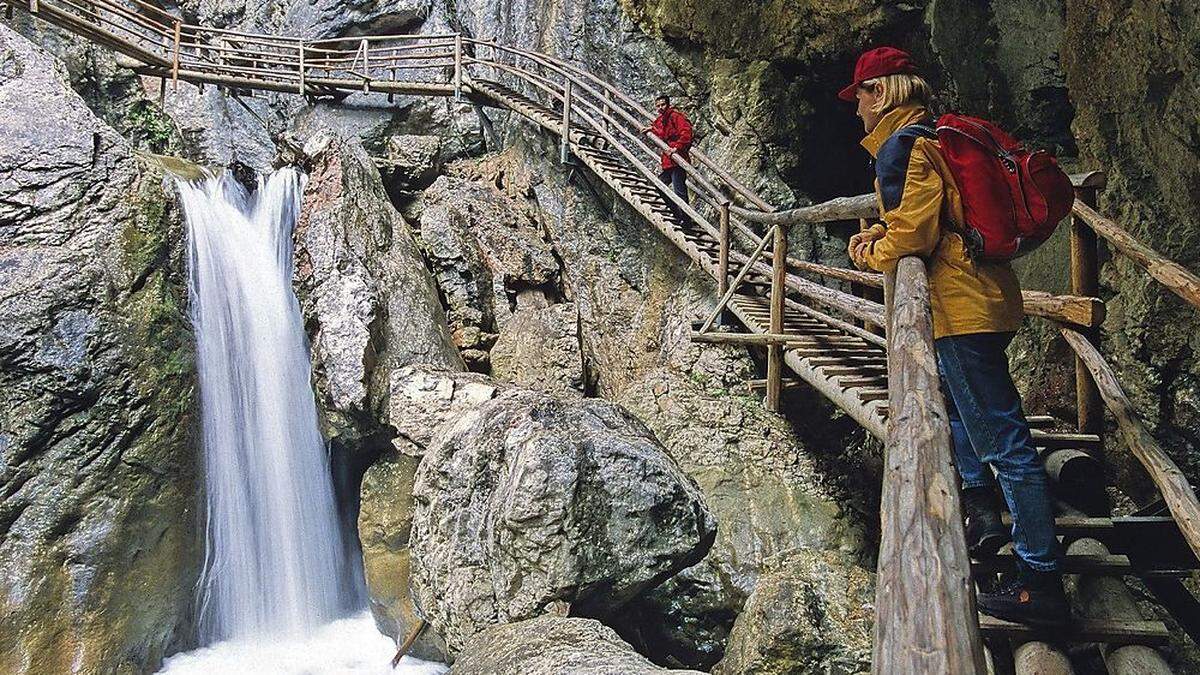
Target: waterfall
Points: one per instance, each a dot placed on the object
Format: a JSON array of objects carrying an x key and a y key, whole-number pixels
[{"x": 275, "y": 564}]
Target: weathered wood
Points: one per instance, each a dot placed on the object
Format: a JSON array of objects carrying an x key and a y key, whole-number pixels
[
  {"x": 1109, "y": 632},
  {"x": 564, "y": 148},
  {"x": 1106, "y": 598},
  {"x": 1170, "y": 480},
  {"x": 1086, "y": 311},
  {"x": 840, "y": 208},
  {"x": 723, "y": 255},
  {"x": 1040, "y": 658},
  {"x": 925, "y": 619},
  {"x": 458, "y": 65},
  {"x": 1085, "y": 280},
  {"x": 746, "y": 267},
  {"x": 175, "y": 59},
  {"x": 1170, "y": 274},
  {"x": 775, "y": 350}
]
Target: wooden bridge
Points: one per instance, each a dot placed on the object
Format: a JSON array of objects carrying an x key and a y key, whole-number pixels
[{"x": 830, "y": 327}]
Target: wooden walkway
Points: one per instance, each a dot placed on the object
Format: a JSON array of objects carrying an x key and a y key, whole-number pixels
[{"x": 824, "y": 325}]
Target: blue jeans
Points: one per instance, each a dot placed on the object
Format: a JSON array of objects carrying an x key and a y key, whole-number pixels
[{"x": 988, "y": 427}]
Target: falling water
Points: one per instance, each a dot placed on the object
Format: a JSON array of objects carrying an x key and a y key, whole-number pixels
[{"x": 275, "y": 564}]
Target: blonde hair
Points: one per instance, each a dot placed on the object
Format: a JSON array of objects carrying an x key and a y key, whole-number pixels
[{"x": 900, "y": 89}]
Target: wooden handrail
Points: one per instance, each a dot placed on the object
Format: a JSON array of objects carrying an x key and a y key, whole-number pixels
[
  {"x": 1167, "y": 476},
  {"x": 1174, "y": 276},
  {"x": 925, "y": 619}
]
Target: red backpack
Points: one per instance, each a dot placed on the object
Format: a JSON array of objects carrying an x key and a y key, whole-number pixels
[{"x": 1013, "y": 198}]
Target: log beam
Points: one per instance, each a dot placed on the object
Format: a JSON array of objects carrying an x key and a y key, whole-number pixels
[
  {"x": 925, "y": 602},
  {"x": 1170, "y": 480}
]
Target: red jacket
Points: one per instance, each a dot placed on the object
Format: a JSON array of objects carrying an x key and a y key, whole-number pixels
[{"x": 673, "y": 127}]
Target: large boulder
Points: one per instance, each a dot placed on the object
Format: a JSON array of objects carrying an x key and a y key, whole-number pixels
[
  {"x": 98, "y": 541},
  {"x": 551, "y": 645},
  {"x": 811, "y": 612},
  {"x": 527, "y": 501},
  {"x": 368, "y": 301}
]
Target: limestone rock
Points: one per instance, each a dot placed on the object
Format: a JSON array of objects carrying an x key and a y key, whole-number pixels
[
  {"x": 811, "y": 612},
  {"x": 423, "y": 399},
  {"x": 97, "y": 459},
  {"x": 553, "y": 646},
  {"x": 482, "y": 247},
  {"x": 411, "y": 160},
  {"x": 367, "y": 298},
  {"x": 527, "y": 500},
  {"x": 539, "y": 346}
]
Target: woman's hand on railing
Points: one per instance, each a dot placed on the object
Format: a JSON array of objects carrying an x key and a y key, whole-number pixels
[{"x": 860, "y": 243}]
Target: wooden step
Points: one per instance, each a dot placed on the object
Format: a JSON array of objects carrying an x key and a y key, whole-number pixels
[
  {"x": 1100, "y": 565},
  {"x": 1080, "y": 630}
]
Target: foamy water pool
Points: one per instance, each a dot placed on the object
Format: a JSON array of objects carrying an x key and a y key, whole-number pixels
[{"x": 350, "y": 646}]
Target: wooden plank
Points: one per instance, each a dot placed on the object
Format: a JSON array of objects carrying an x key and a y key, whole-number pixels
[
  {"x": 1109, "y": 632},
  {"x": 1053, "y": 440},
  {"x": 1110, "y": 564},
  {"x": 925, "y": 620},
  {"x": 1167, "y": 476},
  {"x": 1040, "y": 658}
]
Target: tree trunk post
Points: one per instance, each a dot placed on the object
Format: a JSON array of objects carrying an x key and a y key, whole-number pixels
[
  {"x": 778, "y": 290},
  {"x": 564, "y": 152},
  {"x": 723, "y": 254},
  {"x": 1085, "y": 281}
]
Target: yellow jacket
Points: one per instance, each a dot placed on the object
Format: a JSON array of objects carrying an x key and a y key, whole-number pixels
[{"x": 919, "y": 203}]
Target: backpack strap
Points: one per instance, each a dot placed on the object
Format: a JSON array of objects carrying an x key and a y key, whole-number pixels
[{"x": 891, "y": 163}]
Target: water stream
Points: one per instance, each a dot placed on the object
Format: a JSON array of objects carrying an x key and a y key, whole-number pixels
[{"x": 279, "y": 591}]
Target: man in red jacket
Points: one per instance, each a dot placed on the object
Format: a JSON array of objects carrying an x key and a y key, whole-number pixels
[{"x": 676, "y": 131}]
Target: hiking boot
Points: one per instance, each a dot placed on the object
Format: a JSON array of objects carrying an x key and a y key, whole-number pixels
[
  {"x": 1034, "y": 598},
  {"x": 985, "y": 532}
]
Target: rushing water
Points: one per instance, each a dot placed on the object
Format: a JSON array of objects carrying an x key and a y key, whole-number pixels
[{"x": 278, "y": 580}]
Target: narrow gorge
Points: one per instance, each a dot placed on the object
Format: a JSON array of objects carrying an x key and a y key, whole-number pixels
[{"x": 289, "y": 382}]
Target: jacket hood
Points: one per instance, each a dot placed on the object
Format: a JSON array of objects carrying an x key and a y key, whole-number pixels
[{"x": 891, "y": 122}]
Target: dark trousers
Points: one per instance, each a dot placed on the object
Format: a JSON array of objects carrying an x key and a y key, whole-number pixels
[
  {"x": 677, "y": 178},
  {"x": 988, "y": 427}
]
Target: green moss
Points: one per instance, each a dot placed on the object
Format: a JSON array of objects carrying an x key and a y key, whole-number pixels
[{"x": 151, "y": 128}]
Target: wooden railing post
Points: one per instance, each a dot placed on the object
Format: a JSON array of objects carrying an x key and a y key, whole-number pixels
[
  {"x": 458, "y": 54},
  {"x": 1085, "y": 281},
  {"x": 723, "y": 255},
  {"x": 778, "y": 290},
  {"x": 33, "y": 6},
  {"x": 564, "y": 152},
  {"x": 366, "y": 67},
  {"x": 925, "y": 620},
  {"x": 175, "y": 59},
  {"x": 301, "y": 67}
]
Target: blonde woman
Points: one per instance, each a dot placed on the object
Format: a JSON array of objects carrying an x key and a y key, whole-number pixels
[{"x": 976, "y": 310}]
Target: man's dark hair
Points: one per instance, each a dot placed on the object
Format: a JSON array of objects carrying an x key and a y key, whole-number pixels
[{"x": 664, "y": 98}]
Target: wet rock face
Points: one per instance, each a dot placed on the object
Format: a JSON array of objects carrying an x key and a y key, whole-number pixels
[
  {"x": 97, "y": 458},
  {"x": 548, "y": 645},
  {"x": 811, "y": 612},
  {"x": 367, "y": 298},
  {"x": 529, "y": 500}
]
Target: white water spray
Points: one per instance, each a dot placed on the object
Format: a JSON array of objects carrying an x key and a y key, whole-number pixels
[{"x": 275, "y": 563}]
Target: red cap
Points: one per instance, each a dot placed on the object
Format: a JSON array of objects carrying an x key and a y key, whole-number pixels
[{"x": 877, "y": 63}]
